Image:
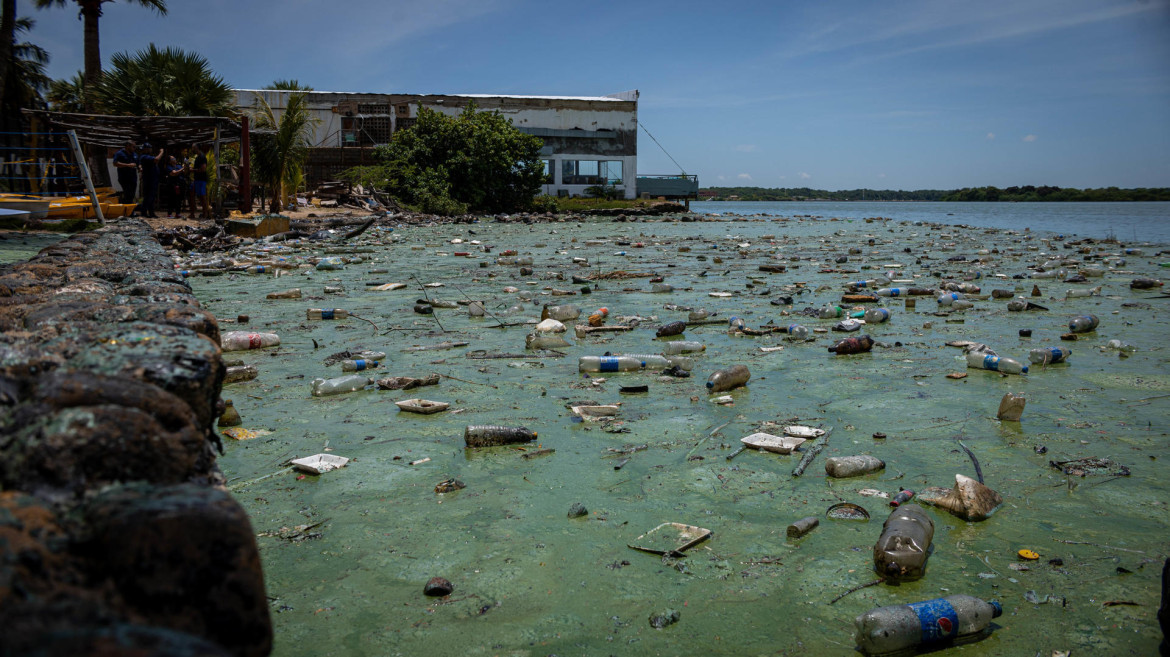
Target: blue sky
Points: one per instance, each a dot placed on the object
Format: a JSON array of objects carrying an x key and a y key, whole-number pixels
[{"x": 901, "y": 94}]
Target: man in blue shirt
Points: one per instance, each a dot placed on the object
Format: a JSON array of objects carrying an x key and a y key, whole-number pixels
[
  {"x": 126, "y": 162},
  {"x": 199, "y": 181}
]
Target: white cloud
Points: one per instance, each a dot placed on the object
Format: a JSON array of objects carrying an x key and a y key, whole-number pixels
[
  {"x": 991, "y": 135},
  {"x": 881, "y": 175},
  {"x": 721, "y": 177},
  {"x": 744, "y": 176},
  {"x": 783, "y": 177},
  {"x": 804, "y": 176},
  {"x": 746, "y": 148},
  {"x": 1029, "y": 137}
]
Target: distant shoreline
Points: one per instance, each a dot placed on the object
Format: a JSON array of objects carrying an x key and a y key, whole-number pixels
[{"x": 1024, "y": 194}]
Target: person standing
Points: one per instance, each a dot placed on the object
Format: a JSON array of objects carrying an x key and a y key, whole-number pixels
[
  {"x": 149, "y": 164},
  {"x": 126, "y": 162},
  {"x": 199, "y": 180},
  {"x": 176, "y": 186}
]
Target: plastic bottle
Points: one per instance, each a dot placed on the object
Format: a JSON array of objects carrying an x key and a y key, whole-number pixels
[
  {"x": 949, "y": 298},
  {"x": 900, "y": 552},
  {"x": 659, "y": 361},
  {"x": 902, "y": 497},
  {"x": 798, "y": 332},
  {"x": 329, "y": 264},
  {"x": 831, "y": 312},
  {"x": 726, "y": 379},
  {"x": 326, "y": 313},
  {"x": 856, "y": 345},
  {"x": 242, "y": 340},
  {"x": 339, "y": 385},
  {"x": 661, "y": 287},
  {"x": 853, "y": 466},
  {"x": 696, "y": 315},
  {"x": 294, "y": 293},
  {"x": 545, "y": 341},
  {"x": 683, "y": 347},
  {"x": 673, "y": 328},
  {"x": 484, "y": 435},
  {"x": 899, "y": 627},
  {"x": 890, "y": 292},
  {"x": 961, "y": 304},
  {"x": 984, "y": 361},
  {"x": 609, "y": 364},
  {"x": 475, "y": 309},
  {"x": 1089, "y": 292},
  {"x": 1124, "y": 347},
  {"x": 370, "y": 355},
  {"x": 256, "y": 269},
  {"x": 560, "y": 313},
  {"x": 735, "y": 324},
  {"x": 877, "y": 315},
  {"x": 230, "y": 417},
  {"x": 358, "y": 364},
  {"x": 1049, "y": 355},
  {"x": 1083, "y": 324}
]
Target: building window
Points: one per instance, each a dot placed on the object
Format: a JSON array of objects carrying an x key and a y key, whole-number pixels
[
  {"x": 548, "y": 172},
  {"x": 365, "y": 130},
  {"x": 591, "y": 172}
]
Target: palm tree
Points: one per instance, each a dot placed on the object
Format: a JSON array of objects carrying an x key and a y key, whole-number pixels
[
  {"x": 26, "y": 81},
  {"x": 169, "y": 82},
  {"x": 288, "y": 85},
  {"x": 89, "y": 12},
  {"x": 278, "y": 158},
  {"x": 68, "y": 95},
  {"x": 7, "y": 38}
]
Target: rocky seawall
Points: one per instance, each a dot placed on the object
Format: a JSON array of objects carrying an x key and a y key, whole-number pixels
[{"x": 116, "y": 535}]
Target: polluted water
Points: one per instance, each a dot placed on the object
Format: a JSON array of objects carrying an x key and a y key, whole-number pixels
[{"x": 529, "y": 580}]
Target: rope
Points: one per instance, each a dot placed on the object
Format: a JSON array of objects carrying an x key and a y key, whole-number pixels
[{"x": 680, "y": 168}]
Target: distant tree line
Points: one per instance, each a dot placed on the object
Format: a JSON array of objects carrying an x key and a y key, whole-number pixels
[{"x": 1027, "y": 193}]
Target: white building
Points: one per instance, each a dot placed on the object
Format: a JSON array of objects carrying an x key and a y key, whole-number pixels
[{"x": 588, "y": 140}]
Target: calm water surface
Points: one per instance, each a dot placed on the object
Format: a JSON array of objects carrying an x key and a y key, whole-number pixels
[
  {"x": 530, "y": 581},
  {"x": 1129, "y": 222}
]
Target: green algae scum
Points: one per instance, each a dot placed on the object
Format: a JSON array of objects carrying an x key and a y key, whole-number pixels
[{"x": 347, "y": 553}]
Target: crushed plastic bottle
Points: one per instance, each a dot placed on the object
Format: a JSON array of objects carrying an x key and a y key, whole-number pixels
[
  {"x": 726, "y": 379},
  {"x": 358, "y": 365},
  {"x": 1049, "y": 355},
  {"x": 831, "y": 312},
  {"x": 901, "y": 551},
  {"x": 897, "y": 628},
  {"x": 559, "y": 313},
  {"x": 492, "y": 435},
  {"x": 339, "y": 385},
  {"x": 683, "y": 347},
  {"x": 798, "y": 332}
]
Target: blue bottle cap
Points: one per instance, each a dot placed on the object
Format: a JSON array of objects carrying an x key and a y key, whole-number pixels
[
  {"x": 710, "y": 384},
  {"x": 998, "y": 608}
]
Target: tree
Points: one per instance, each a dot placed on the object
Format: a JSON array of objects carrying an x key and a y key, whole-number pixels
[
  {"x": 68, "y": 95},
  {"x": 170, "y": 82},
  {"x": 7, "y": 38},
  {"x": 278, "y": 158},
  {"x": 26, "y": 82},
  {"x": 89, "y": 12},
  {"x": 288, "y": 85},
  {"x": 477, "y": 161}
]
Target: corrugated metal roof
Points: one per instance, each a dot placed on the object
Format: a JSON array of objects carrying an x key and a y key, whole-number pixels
[{"x": 616, "y": 98}]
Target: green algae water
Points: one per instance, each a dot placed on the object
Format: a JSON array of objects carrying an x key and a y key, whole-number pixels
[{"x": 347, "y": 553}]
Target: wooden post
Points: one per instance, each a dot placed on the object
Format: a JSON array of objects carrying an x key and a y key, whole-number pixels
[
  {"x": 245, "y": 203},
  {"x": 83, "y": 167}
]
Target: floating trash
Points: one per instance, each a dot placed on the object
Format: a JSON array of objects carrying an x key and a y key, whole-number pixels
[{"x": 847, "y": 511}]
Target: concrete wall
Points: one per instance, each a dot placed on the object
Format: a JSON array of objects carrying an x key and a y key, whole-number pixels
[{"x": 606, "y": 127}]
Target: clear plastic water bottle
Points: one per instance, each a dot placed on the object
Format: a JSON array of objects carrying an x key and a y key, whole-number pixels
[
  {"x": 683, "y": 347},
  {"x": 831, "y": 312},
  {"x": 891, "y": 292},
  {"x": 735, "y": 324},
  {"x": 1089, "y": 292},
  {"x": 242, "y": 340},
  {"x": 358, "y": 365},
  {"x": 326, "y": 313},
  {"x": 1049, "y": 355},
  {"x": 798, "y": 332},
  {"x": 339, "y": 385},
  {"x": 1083, "y": 324},
  {"x": 1124, "y": 347},
  {"x": 984, "y": 361},
  {"x": 609, "y": 364},
  {"x": 898, "y": 627},
  {"x": 949, "y": 298},
  {"x": 657, "y": 361},
  {"x": 370, "y": 355},
  {"x": 961, "y": 304},
  {"x": 559, "y": 313},
  {"x": 661, "y": 287},
  {"x": 726, "y": 379},
  {"x": 877, "y": 315},
  {"x": 696, "y": 315}
]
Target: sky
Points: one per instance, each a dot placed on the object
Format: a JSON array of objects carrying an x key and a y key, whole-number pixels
[{"x": 900, "y": 94}]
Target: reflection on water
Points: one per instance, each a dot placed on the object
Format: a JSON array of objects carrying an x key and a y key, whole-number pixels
[{"x": 531, "y": 581}]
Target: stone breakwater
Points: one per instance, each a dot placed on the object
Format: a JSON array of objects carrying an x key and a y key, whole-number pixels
[{"x": 116, "y": 535}]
